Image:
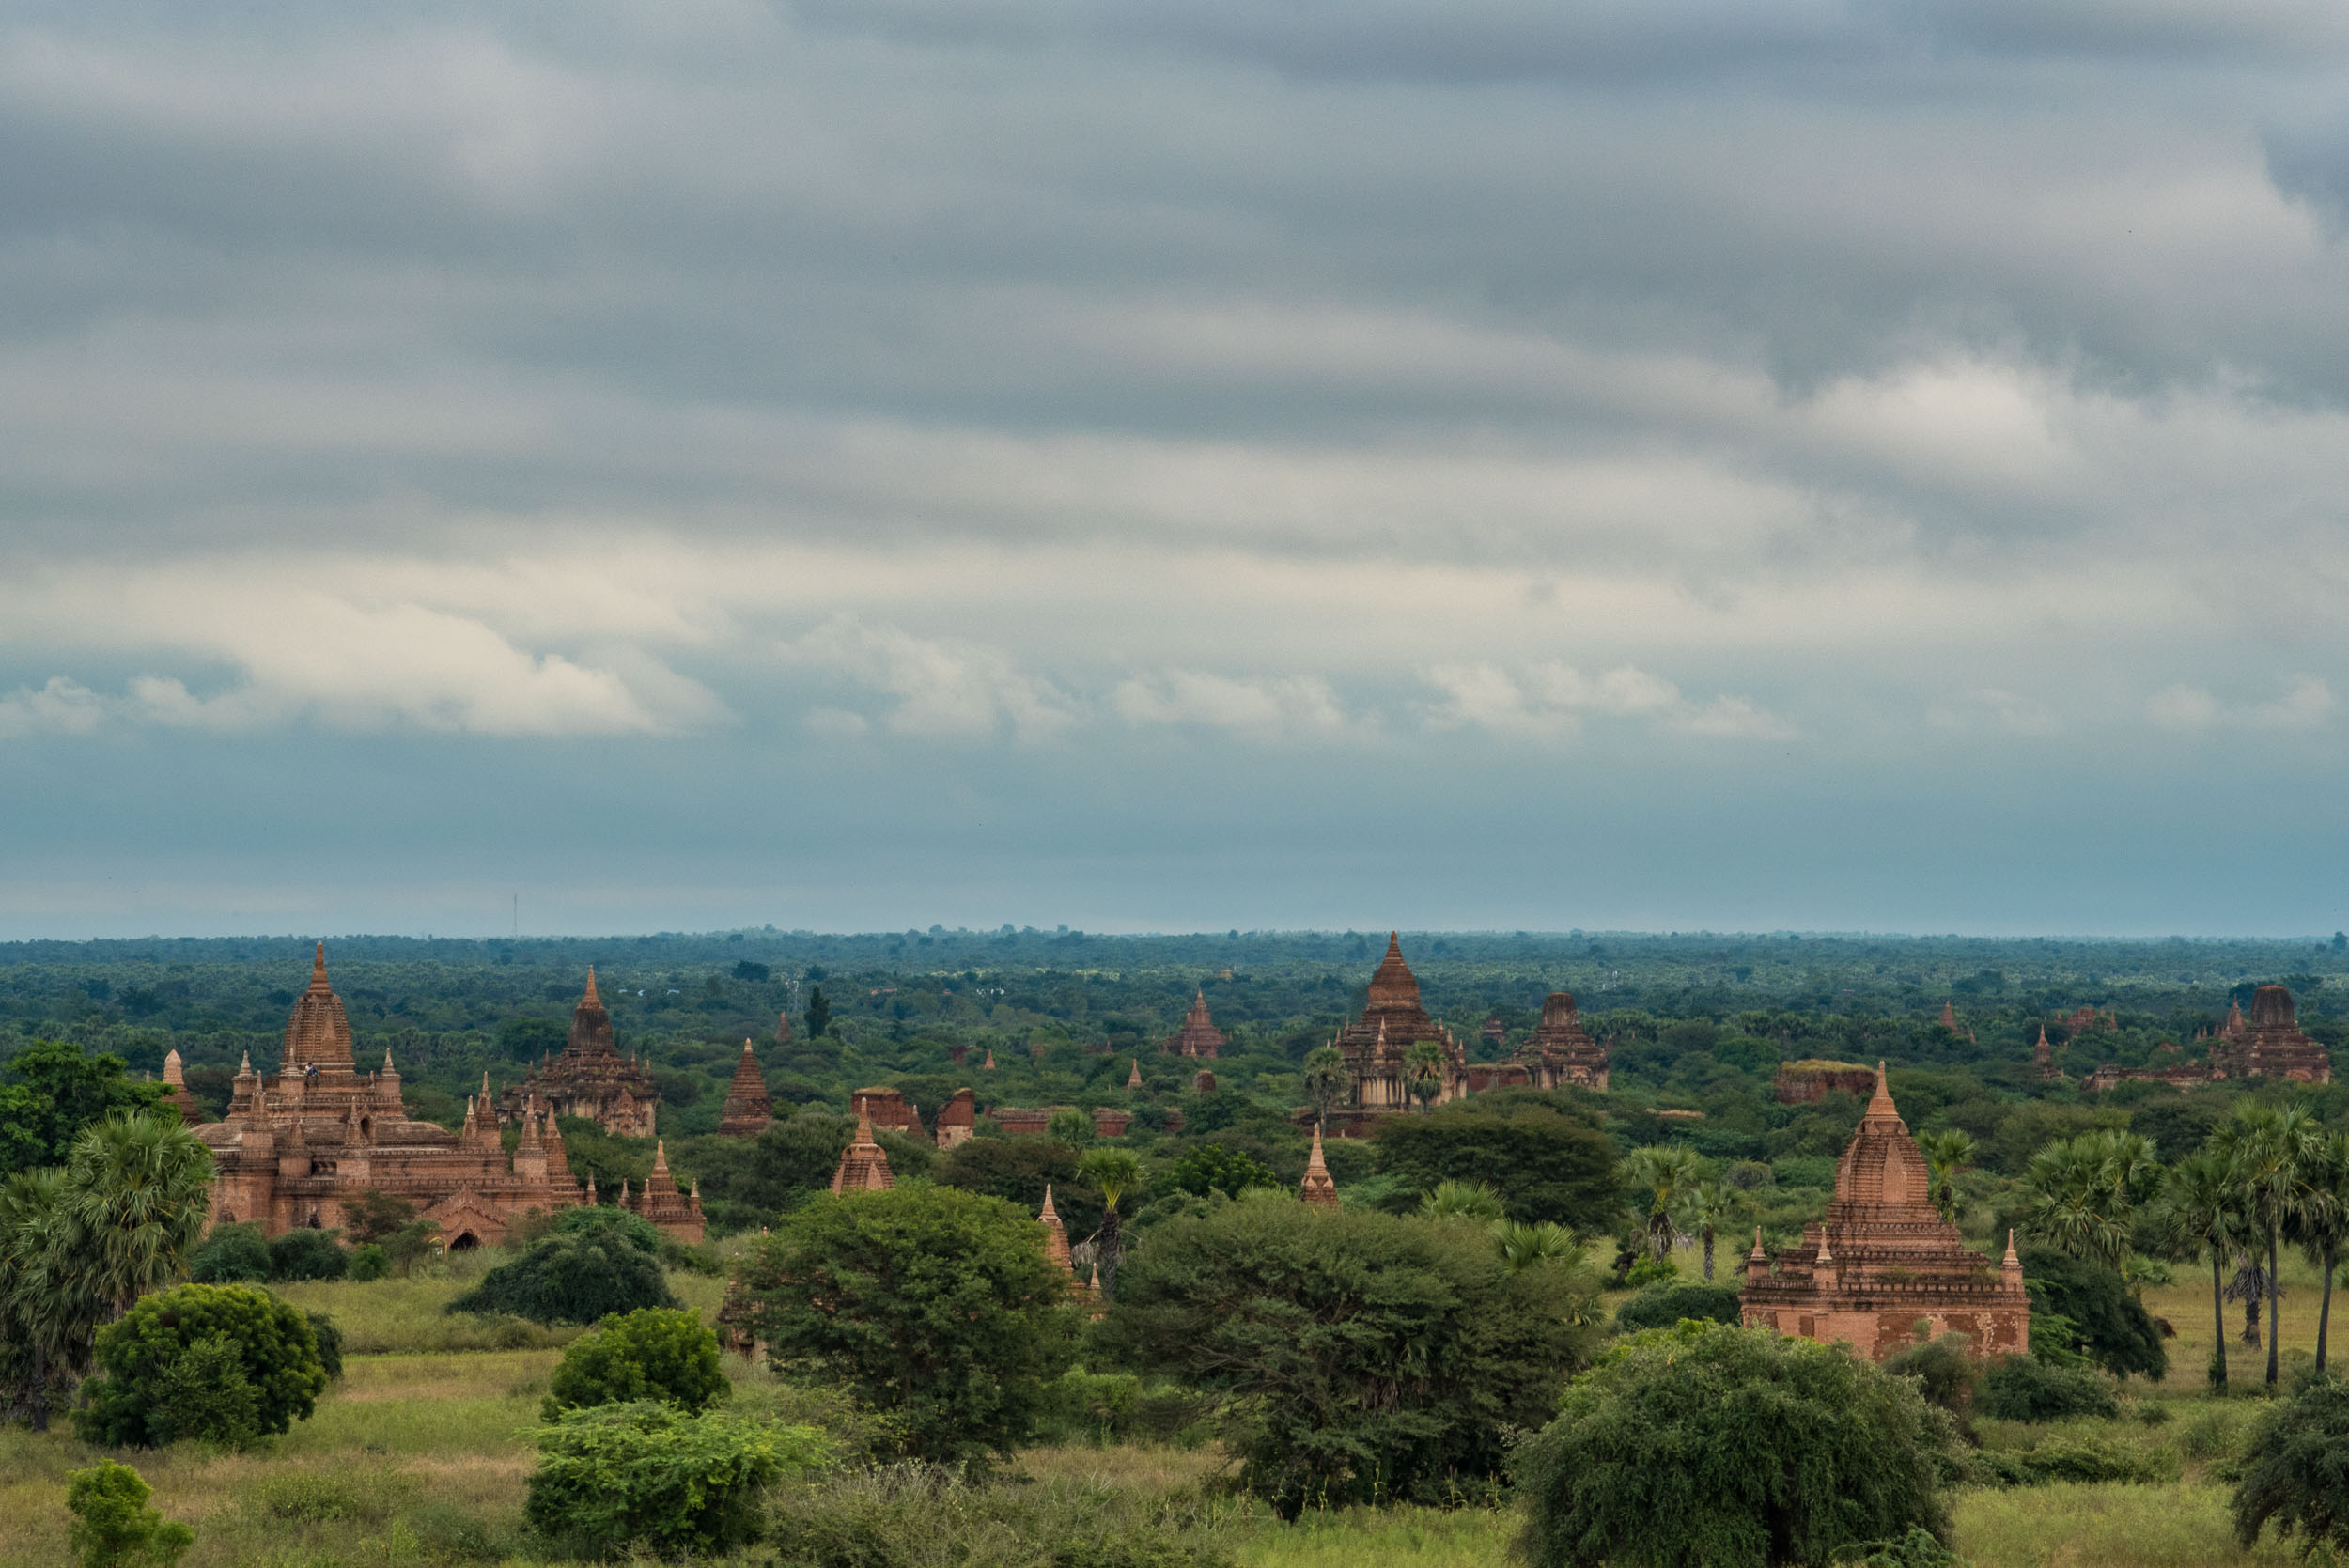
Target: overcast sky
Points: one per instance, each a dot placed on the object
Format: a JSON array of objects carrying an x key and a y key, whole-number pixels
[{"x": 863, "y": 463}]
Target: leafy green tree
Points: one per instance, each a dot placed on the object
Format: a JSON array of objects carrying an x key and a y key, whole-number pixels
[
  {"x": 225, "y": 1362},
  {"x": 1324, "y": 1080},
  {"x": 608, "y": 1224},
  {"x": 1661, "y": 1305},
  {"x": 1708, "y": 1208},
  {"x": 1549, "y": 1165},
  {"x": 369, "y": 1262},
  {"x": 570, "y": 1279},
  {"x": 1665, "y": 1171},
  {"x": 1073, "y": 1128},
  {"x": 232, "y": 1254},
  {"x": 1474, "y": 1200},
  {"x": 2081, "y": 1195},
  {"x": 818, "y": 1014},
  {"x": 55, "y": 1092},
  {"x": 2107, "y": 1323},
  {"x": 2201, "y": 1210},
  {"x": 2027, "y": 1389},
  {"x": 307, "y": 1254},
  {"x": 374, "y": 1215},
  {"x": 1361, "y": 1355},
  {"x": 2265, "y": 1147},
  {"x": 1114, "y": 1174},
  {"x": 1945, "y": 1372},
  {"x": 935, "y": 1306},
  {"x": 647, "y": 1353},
  {"x": 647, "y": 1476},
  {"x": 1732, "y": 1447},
  {"x": 113, "y": 1526},
  {"x": 1206, "y": 1167},
  {"x": 1423, "y": 1072},
  {"x": 1017, "y": 1170},
  {"x": 2293, "y": 1476},
  {"x": 2318, "y": 1217},
  {"x": 47, "y": 1314},
  {"x": 1947, "y": 1154}
]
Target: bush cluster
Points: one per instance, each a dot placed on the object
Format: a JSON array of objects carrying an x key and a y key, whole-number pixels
[
  {"x": 241, "y": 1255},
  {"x": 897, "y": 1517},
  {"x": 2026, "y": 1389},
  {"x": 649, "y": 1476},
  {"x": 571, "y": 1277},
  {"x": 1660, "y": 1306},
  {"x": 652, "y": 1353},
  {"x": 223, "y": 1363}
]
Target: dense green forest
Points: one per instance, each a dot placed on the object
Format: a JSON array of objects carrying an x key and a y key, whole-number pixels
[{"x": 1699, "y": 1023}]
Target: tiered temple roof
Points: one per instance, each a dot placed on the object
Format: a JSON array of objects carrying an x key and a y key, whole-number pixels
[
  {"x": 748, "y": 1110},
  {"x": 591, "y": 1078},
  {"x": 1559, "y": 1052},
  {"x": 298, "y": 1143},
  {"x": 864, "y": 1165},
  {"x": 1198, "y": 1036},
  {"x": 1884, "y": 1260},
  {"x": 2272, "y": 1045},
  {"x": 673, "y": 1212},
  {"x": 1391, "y": 1021}
]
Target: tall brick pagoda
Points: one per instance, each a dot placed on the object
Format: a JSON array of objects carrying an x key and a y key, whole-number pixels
[
  {"x": 748, "y": 1110},
  {"x": 591, "y": 1078},
  {"x": 1884, "y": 1260},
  {"x": 864, "y": 1164},
  {"x": 1391, "y": 1021},
  {"x": 1560, "y": 1053},
  {"x": 671, "y": 1212},
  {"x": 298, "y": 1143},
  {"x": 1318, "y": 1189},
  {"x": 1198, "y": 1037},
  {"x": 2271, "y": 1044}
]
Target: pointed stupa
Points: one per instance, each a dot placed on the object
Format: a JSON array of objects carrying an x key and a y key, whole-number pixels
[
  {"x": 1880, "y": 1104},
  {"x": 989, "y": 1065},
  {"x": 317, "y": 1033},
  {"x": 864, "y": 1164},
  {"x": 1318, "y": 1189},
  {"x": 1758, "y": 1260},
  {"x": 748, "y": 1110},
  {"x": 176, "y": 1089},
  {"x": 1198, "y": 1036},
  {"x": 1133, "y": 1079},
  {"x": 1055, "y": 1234},
  {"x": 1949, "y": 1017},
  {"x": 591, "y": 1189}
]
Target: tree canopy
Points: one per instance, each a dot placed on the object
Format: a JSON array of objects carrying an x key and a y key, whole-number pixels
[{"x": 1545, "y": 1164}]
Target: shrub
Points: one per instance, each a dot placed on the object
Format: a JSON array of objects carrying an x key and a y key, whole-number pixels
[
  {"x": 113, "y": 1526},
  {"x": 1119, "y": 1406},
  {"x": 1206, "y": 1167},
  {"x": 570, "y": 1279},
  {"x": 330, "y": 1341},
  {"x": 1660, "y": 1306},
  {"x": 2292, "y": 1473},
  {"x": 2103, "y": 1320},
  {"x": 618, "y": 1477},
  {"x": 935, "y": 1306},
  {"x": 307, "y": 1254},
  {"x": 2025, "y": 1389},
  {"x": 1552, "y": 1166},
  {"x": 604, "y": 1222},
  {"x": 897, "y": 1517},
  {"x": 1362, "y": 1356},
  {"x": 649, "y": 1353},
  {"x": 1946, "y": 1371},
  {"x": 1712, "y": 1444},
  {"x": 232, "y": 1254},
  {"x": 2080, "y": 1459},
  {"x": 223, "y": 1362},
  {"x": 369, "y": 1262},
  {"x": 1651, "y": 1271}
]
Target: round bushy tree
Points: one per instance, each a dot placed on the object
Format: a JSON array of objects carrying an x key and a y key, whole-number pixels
[
  {"x": 223, "y": 1362},
  {"x": 649, "y": 1354},
  {"x": 2106, "y": 1323},
  {"x": 935, "y": 1306},
  {"x": 570, "y": 1279},
  {"x": 2293, "y": 1474},
  {"x": 1734, "y": 1448},
  {"x": 307, "y": 1254},
  {"x": 1364, "y": 1355},
  {"x": 649, "y": 1476},
  {"x": 1552, "y": 1166},
  {"x": 113, "y": 1526},
  {"x": 232, "y": 1254},
  {"x": 606, "y": 1222},
  {"x": 2025, "y": 1389},
  {"x": 1660, "y": 1306}
]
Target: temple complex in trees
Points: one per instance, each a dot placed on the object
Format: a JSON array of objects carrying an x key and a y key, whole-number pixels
[
  {"x": 299, "y": 1142},
  {"x": 1884, "y": 1261},
  {"x": 590, "y": 1078},
  {"x": 2268, "y": 1044},
  {"x": 1198, "y": 1036}
]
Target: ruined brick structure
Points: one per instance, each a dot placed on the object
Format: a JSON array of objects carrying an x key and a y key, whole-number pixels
[
  {"x": 957, "y": 1119},
  {"x": 864, "y": 1165},
  {"x": 747, "y": 1110},
  {"x": 2268, "y": 1045},
  {"x": 888, "y": 1107},
  {"x": 1560, "y": 1053},
  {"x": 298, "y": 1143},
  {"x": 1318, "y": 1189},
  {"x": 1884, "y": 1261},
  {"x": 1198, "y": 1036},
  {"x": 590, "y": 1078},
  {"x": 1809, "y": 1081},
  {"x": 176, "y": 1089}
]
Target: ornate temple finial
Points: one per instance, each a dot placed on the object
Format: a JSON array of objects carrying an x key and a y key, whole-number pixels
[
  {"x": 1825, "y": 1257},
  {"x": 388, "y": 1061},
  {"x": 1318, "y": 1188},
  {"x": 1133, "y": 1079},
  {"x": 1048, "y": 1213},
  {"x": 591, "y": 1189},
  {"x": 864, "y": 1122},
  {"x": 623, "y": 1192},
  {"x": 659, "y": 1157},
  {"x": 317, "y": 971},
  {"x": 2011, "y": 1260},
  {"x": 591, "y": 1000},
  {"x": 1758, "y": 1255},
  {"x": 245, "y": 1068}
]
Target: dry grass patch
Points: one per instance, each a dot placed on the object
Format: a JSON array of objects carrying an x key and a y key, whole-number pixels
[
  {"x": 2100, "y": 1526},
  {"x": 1389, "y": 1537}
]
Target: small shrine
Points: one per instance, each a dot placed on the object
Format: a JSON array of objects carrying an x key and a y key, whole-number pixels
[
  {"x": 1198, "y": 1037},
  {"x": 748, "y": 1110}
]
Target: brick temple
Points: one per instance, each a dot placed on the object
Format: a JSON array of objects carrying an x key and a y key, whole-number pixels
[
  {"x": 590, "y": 1078},
  {"x": 1560, "y": 1053},
  {"x": 299, "y": 1142},
  {"x": 1198, "y": 1037},
  {"x": 747, "y": 1110},
  {"x": 2268, "y": 1044},
  {"x": 1884, "y": 1261}
]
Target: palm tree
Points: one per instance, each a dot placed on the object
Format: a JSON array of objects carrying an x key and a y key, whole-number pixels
[
  {"x": 2199, "y": 1210},
  {"x": 1423, "y": 1072},
  {"x": 1946, "y": 1154},
  {"x": 1523, "y": 1246},
  {"x": 1667, "y": 1170},
  {"x": 1457, "y": 1199},
  {"x": 2267, "y": 1147},
  {"x": 1324, "y": 1080},
  {"x": 47, "y": 1316},
  {"x": 1114, "y": 1172},
  {"x": 140, "y": 1190},
  {"x": 1707, "y": 1207},
  {"x": 2318, "y": 1218},
  {"x": 2071, "y": 1202}
]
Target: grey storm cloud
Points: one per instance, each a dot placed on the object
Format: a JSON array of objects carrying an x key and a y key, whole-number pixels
[{"x": 1910, "y": 393}]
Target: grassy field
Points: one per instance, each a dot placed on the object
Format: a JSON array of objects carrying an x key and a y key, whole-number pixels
[{"x": 421, "y": 1454}]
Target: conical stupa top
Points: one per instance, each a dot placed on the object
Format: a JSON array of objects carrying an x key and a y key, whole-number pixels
[
  {"x": 1881, "y": 1104},
  {"x": 172, "y": 1071},
  {"x": 591, "y": 1000},
  {"x": 1049, "y": 1215},
  {"x": 388, "y": 1061},
  {"x": 989, "y": 1065},
  {"x": 317, "y": 971},
  {"x": 1825, "y": 1256},
  {"x": 1393, "y": 984},
  {"x": 1758, "y": 1255},
  {"x": 659, "y": 1157},
  {"x": 623, "y": 1192},
  {"x": 1313, "y": 1161},
  {"x": 245, "y": 1068},
  {"x": 1133, "y": 1079},
  {"x": 2011, "y": 1260},
  {"x": 591, "y": 1188},
  {"x": 864, "y": 1122},
  {"x": 485, "y": 1080}
]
